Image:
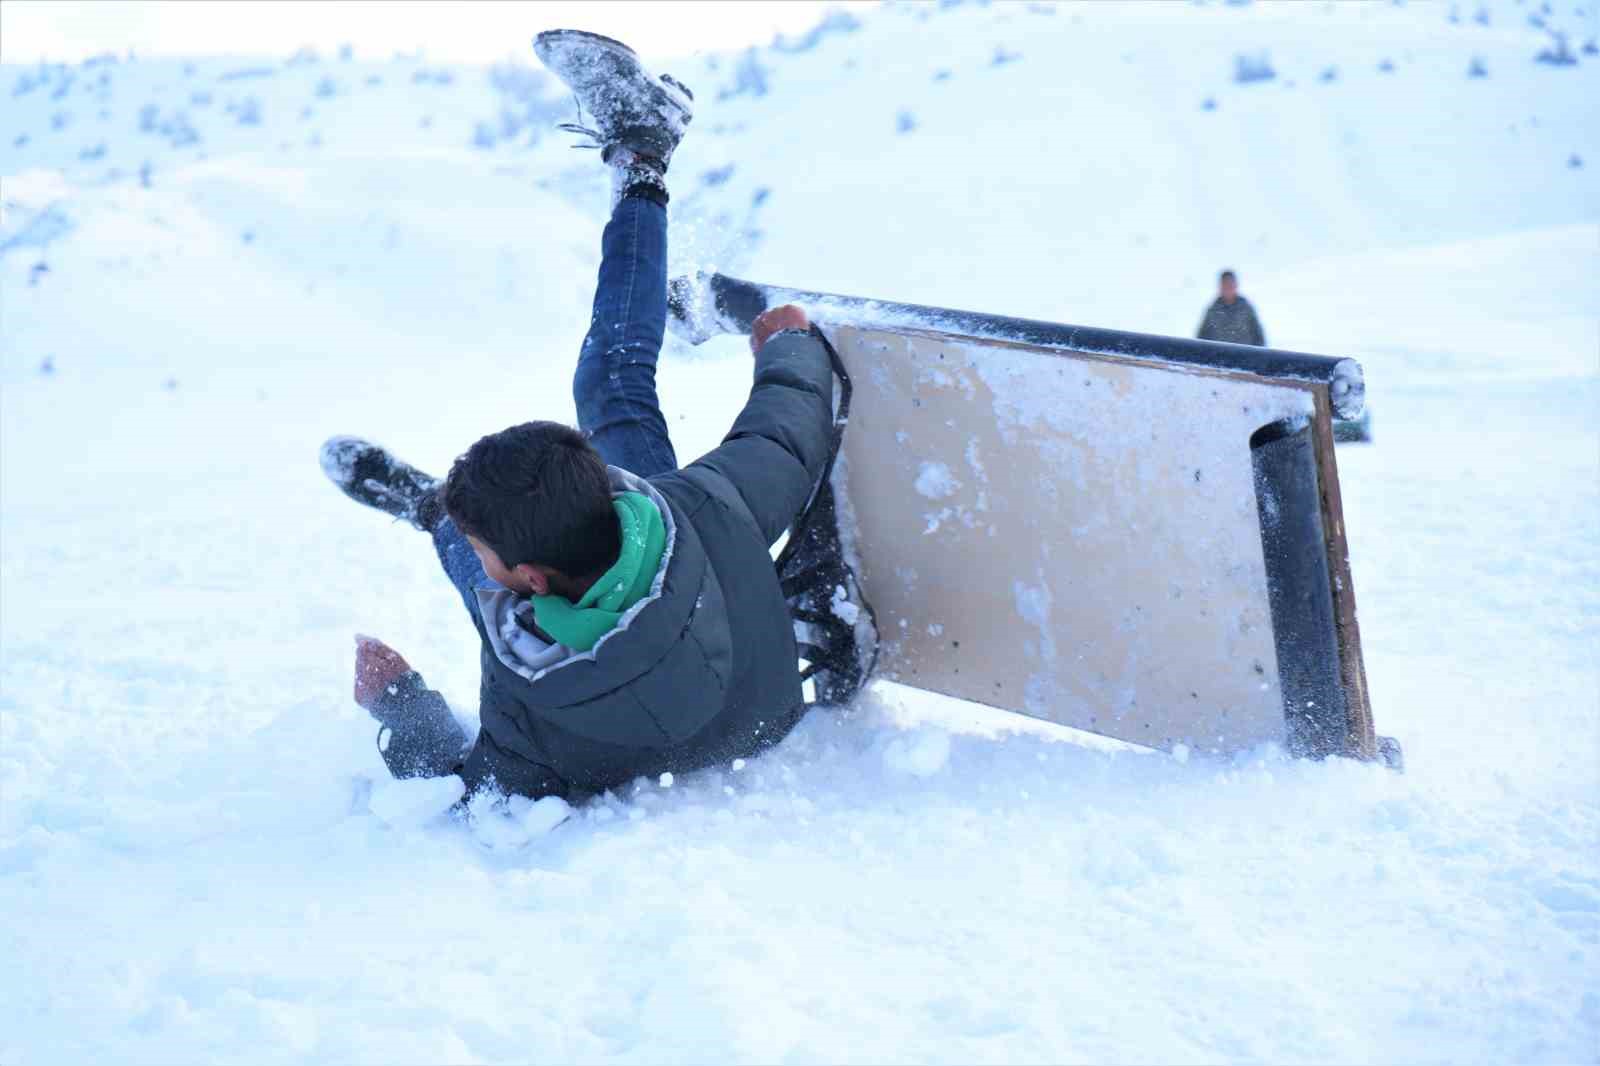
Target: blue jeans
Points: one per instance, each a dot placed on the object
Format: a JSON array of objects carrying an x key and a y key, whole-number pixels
[{"x": 615, "y": 383}]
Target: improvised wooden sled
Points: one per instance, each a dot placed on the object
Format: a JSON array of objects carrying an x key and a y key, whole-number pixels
[{"x": 1133, "y": 535}]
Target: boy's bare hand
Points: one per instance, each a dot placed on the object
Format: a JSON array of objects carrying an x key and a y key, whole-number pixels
[{"x": 775, "y": 320}]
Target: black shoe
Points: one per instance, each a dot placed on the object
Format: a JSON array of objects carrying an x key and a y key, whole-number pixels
[
  {"x": 834, "y": 625},
  {"x": 368, "y": 474},
  {"x": 633, "y": 115}
]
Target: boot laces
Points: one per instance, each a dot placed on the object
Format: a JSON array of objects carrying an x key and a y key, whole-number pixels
[{"x": 595, "y": 141}]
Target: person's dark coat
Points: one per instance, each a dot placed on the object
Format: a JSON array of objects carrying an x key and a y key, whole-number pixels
[
  {"x": 1235, "y": 323},
  {"x": 703, "y": 670}
]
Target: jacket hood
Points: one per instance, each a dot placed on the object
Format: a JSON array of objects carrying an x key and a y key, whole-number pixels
[{"x": 645, "y": 634}]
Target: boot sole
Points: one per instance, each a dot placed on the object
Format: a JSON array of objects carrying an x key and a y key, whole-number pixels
[
  {"x": 546, "y": 42},
  {"x": 351, "y": 462},
  {"x": 549, "y": 45}
]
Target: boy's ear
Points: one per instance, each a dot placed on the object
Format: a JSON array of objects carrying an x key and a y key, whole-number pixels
[{"x": 537, "y": 578}]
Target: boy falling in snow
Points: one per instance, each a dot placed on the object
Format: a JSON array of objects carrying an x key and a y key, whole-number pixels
[{"x": 631, "y": 618}]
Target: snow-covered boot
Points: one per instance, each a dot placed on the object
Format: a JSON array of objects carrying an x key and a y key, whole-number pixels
[
  {"x": 368, "y": 474},
  {"x": 633, "y": 117}
]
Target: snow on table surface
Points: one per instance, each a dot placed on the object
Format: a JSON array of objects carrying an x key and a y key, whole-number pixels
[{"x": 200, "y": 859}]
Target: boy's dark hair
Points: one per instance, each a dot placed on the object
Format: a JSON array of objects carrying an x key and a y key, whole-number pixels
[
  {"x": 1227, "y": 275},
  {"x": 536, "y": 493}
]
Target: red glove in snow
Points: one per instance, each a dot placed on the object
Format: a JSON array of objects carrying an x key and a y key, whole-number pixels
[{"x": 377, "y": 667}]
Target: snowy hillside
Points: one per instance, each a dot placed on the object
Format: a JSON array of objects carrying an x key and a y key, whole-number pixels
[{"x": 209, "y": 266}]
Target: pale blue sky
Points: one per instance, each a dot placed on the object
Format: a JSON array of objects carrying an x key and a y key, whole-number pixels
[{"x": 465, "y": 30}]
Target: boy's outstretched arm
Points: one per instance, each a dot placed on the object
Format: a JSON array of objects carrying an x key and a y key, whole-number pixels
[
  {"x": 778, "y": 445},
  {"x": 421, "y": 737}
]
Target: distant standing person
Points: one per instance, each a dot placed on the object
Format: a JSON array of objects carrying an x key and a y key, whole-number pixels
[{"x": 1230, "y": 317}]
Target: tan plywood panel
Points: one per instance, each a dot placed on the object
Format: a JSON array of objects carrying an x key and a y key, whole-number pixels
[{"x": 1069, "y": 536}]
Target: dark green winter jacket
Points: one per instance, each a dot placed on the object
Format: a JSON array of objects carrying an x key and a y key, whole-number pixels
[
  {"x": 1235, "y": 323},
  {"x": 705, "y": 668}
]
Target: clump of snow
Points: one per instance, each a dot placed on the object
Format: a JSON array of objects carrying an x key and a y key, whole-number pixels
[
  {"x": 975, "y": 461},
  {"x": 1033, "y": 603},
  {"x": 542, "y": 815},
  {"x": 512, "y": 823},
  {"x": 935, "y": 481},
  {"x": 415, "y": 801},
  {"x": 844, "y": 610}
]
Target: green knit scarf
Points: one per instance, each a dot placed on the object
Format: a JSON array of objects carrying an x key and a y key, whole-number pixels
[{"x": 644, "y": 540}]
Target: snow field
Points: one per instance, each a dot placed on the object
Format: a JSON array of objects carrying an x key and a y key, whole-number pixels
[{"x": 200, "y": 858}]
